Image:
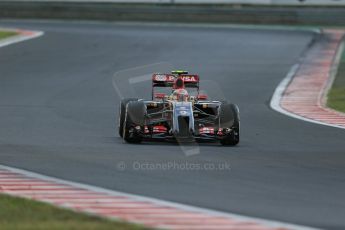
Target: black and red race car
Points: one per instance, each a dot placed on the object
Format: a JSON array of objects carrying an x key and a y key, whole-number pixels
[{"x": 182, "y": 114}]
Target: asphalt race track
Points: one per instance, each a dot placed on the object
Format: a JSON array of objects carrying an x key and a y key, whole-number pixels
[{"x": 58, "y": 114}]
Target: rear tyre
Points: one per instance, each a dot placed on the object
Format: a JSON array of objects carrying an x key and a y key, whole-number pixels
[
  {"x": 122, "y": 113},
  {"x": 229, "y": 118},
  {"x": 134, "y": 122}
]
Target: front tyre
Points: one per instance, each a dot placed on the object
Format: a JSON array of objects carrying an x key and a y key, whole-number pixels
[
  {"x": 134, "y": 122},
  {"x": 122, "y": 113},
  {"x": 229, "y": 121}
]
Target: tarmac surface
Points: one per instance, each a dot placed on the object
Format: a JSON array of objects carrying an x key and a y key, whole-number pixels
[{"x": 58, "y": 117}]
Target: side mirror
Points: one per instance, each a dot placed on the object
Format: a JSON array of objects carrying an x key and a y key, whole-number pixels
[{"x": 202, "y": 97}]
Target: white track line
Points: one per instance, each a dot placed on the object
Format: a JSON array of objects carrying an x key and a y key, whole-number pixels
[
  {"x": 283, "y": 85},
  {"x": 278, "y": 94},
  {"x": 269, "y": 223},
  {"x": 22, "y": 36}
]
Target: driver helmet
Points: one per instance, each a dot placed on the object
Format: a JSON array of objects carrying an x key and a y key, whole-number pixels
[{"x": 180, "y": 95}]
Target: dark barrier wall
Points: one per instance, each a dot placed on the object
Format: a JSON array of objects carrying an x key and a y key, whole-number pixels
[{"x": 175, "y": 13}]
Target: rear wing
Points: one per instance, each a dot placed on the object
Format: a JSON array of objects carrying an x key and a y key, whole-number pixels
[{"x": 167, "y": 80}]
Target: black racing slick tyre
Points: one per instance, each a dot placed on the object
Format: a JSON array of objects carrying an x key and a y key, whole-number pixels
[
  {"x": 122, "y": 113},
  {"x": 134, "y": 121},
  {"x": 229, "y": 118}
]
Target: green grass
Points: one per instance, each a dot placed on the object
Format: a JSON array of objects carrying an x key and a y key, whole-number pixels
[
  {"x": 19, "y": 213},
  {"x": 6, "y": 34},
  {"x": 336, "y": 96}
]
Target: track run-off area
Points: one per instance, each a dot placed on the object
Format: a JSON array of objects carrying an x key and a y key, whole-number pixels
[{"x": 58, "y": 117}]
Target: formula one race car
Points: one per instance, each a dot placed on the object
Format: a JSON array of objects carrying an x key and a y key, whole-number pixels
[{"x": 184, "y": 114}]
